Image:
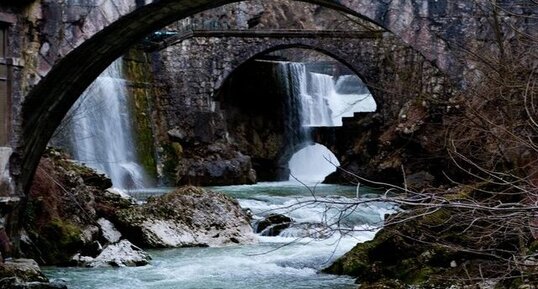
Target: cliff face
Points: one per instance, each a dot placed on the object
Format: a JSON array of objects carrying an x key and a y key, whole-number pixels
[{"x": 278, "y": 14}]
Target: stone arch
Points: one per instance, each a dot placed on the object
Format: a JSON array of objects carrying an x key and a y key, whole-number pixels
[
  {"x": 359, "y": 66},
  {"x": 48, "y": 102},
  {"x": 241, "y": 109}
]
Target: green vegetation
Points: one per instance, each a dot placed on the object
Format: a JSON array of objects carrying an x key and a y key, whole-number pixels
[{"x": 141, "y": 90}]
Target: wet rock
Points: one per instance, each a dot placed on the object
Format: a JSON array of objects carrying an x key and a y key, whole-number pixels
[
  {"x": 107, "y": 203},
  {"x": 65, "y": 202},
  {"x": 189, "y": 216},
  {"x": 179, "y": 135},
  {"x": 273, "y": 225},
  {"x": 16, "y": 283},
  {"x": 25, "y": 270},
  {"x": 25, "y": 274},
  {"x": 121, "y": 254},
  {"x": 109, "y": 231},
  {"x": 219, "y": 167}
]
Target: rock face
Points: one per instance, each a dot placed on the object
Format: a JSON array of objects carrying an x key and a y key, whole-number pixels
[
  {"x": 214, "y": 164},
  {"x": 187, "y": 217}
]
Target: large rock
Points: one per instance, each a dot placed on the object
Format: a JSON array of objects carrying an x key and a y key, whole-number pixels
[
  {"x": 62, "y": 209},
  {"x": 189, "y": 216},
  {"x": 120, "y": 254},
  {"x": 109, "y": 231},
  {"x": 273, "y": 225},
  {"x": 26, "y": 270},
  {"x": 24, "y": 274}
]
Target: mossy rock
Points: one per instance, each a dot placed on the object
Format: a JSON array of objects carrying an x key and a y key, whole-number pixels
[
  {"x": 57, "y": 241},
  {"x": 392, "y": 256}
]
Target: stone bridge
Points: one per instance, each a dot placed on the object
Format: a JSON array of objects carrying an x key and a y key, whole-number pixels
[
  {"x": 191, "y": 84},
  {"x": 88, "y": 35},
  {"x": 196, "y": 79}
]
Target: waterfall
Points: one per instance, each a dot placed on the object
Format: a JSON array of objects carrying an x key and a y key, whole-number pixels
[
  {"x": 315, "y": 110},
  {"x": 318, "y": 100},
  {"x": 324, "y": 101},
  {"x": 100, "y": 131}
]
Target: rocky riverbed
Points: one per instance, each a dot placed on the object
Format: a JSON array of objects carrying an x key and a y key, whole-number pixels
[{"x": 73, "y": 217}]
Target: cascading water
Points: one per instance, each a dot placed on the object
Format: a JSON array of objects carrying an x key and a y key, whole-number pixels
[
  {"x": 315, "y": 110},
  {"x": 100, "y": 131},
  {"x": 319, "y": 101},
  {"x": 323, "y": 229}
]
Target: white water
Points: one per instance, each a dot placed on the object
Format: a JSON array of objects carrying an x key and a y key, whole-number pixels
[
  {"x": 323, "y": 102},
  {"x": 291, "y": 260},
  {"x": 312, "y": 164},
  {"x": 101, "y": 131}
]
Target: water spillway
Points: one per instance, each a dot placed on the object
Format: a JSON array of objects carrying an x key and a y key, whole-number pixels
[
  {"x": 319, "y": 100},
  {"x": 100, "y": 133}
]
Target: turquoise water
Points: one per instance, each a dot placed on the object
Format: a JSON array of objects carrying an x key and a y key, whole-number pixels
[{"x": 291, "y": 260}]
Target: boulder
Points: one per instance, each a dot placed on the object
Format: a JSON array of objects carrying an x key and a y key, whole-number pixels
[
  {"x": 25, "y": 274},
  {"x": 273, "y": 225},
  {"x": 26, "y": 270},
  {"x": 109, "y": 231},
  {"x": 187, "y": 217},
  {"x": 121, "y": 254}
]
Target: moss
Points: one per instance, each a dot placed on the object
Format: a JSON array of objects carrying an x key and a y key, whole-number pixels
[
  {"x": 419, "y": 275},
  {"x": 138, "y": 72},
  {"x": 437, "y": 218},
  {"x": 178, "y": 149},
  {"x": 57, "y": 241},
  {"x": 357, "y": 262}
]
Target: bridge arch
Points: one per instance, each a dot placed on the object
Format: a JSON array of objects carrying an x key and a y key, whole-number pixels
[
  {"x": 364, "y": 68},
  {"x": 270, "y": 111},
  {"x": 48, "y": 102}
]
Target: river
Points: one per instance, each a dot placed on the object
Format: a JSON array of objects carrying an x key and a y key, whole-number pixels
[{"x": 291, "y": 260}]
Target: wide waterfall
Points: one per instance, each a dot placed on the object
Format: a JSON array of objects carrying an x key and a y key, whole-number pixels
[
  {"x": 100, "y": 131},
  {"x": 319, "y": 100},
  {"x": 325, "y": 100}
]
